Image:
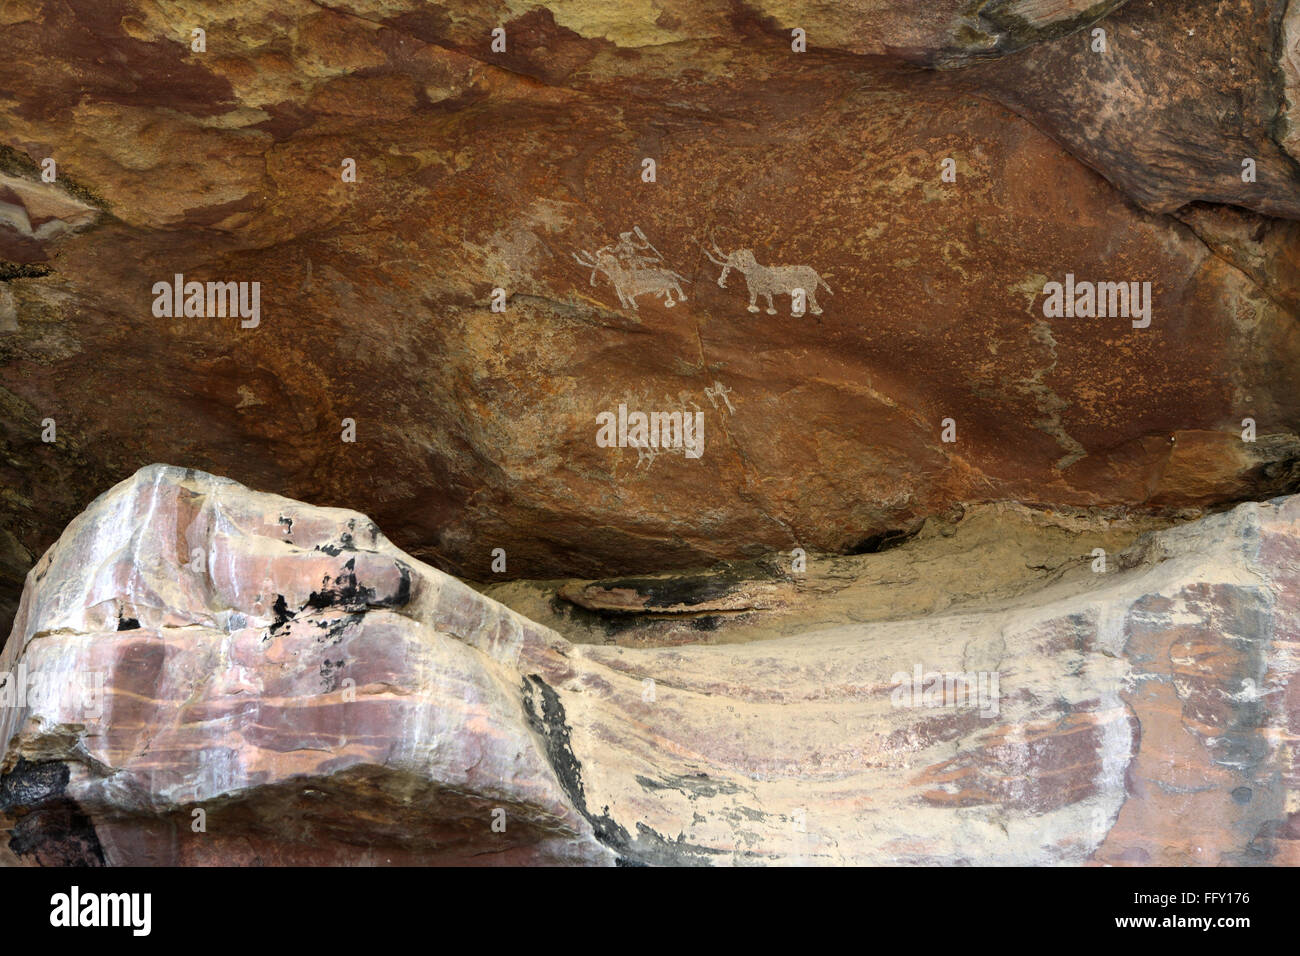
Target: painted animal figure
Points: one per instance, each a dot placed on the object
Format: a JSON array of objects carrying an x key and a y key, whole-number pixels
[
  {"x": 632, "y": 282},
  {"x": 769, "y": 280}
]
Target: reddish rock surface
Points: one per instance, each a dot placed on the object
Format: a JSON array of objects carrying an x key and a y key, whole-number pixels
[
  {"x": 477, "y": 170},
  {"x": 1183, "y": 94}
]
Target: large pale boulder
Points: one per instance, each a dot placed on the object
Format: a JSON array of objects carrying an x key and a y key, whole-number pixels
[
  {"x": 191, "y": 645},
  {"x": 327, "y": 699}
]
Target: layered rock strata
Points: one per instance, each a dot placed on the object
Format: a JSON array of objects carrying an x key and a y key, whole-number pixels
[{"x": 193, "y": 653}]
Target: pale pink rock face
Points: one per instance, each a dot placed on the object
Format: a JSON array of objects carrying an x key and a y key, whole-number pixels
[
  {"x": 323, "y": 698},
  {"x": 219, "y": 644}
]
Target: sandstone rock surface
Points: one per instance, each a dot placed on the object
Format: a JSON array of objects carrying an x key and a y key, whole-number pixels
[
  {"x": 323, "y": 697},
  {"x": 478, "y": 171},
  {"x": 669, "y": 657}
]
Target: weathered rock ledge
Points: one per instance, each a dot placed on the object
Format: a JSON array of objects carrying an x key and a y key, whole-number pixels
[
  {"x": 279, "y": 684},
  {"x": 478, "y": 170}
]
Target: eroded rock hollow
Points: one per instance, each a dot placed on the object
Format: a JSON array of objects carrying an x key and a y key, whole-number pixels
[{"x": 967, "y": 338}]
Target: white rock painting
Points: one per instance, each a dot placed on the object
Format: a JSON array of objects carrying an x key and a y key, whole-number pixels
[
  {"x": 634, "y": 267},
  {"x": 798, "y": 282}
]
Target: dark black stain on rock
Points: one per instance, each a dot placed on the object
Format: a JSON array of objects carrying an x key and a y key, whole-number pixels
[
  {"x": 58, "y": 834},
  {"x": 330, "y": 672},
  {"x": 343, "y": 593},
  {"x": 671, "y": 592},
  {"x": 611, "y": 624},
  {"x": 334, "y": 628},
  {"x": 687, "y": 591},
  {"x": 282, "y": 615},
  {"x": 51, "y": 828},
  {"x": 1274, "y": 478},
  {"x": 403, "y": 595},
  {"x": 30, "y": 783},
  {"x": 346, "y": 594},
  {"x": 127, "y": 624},
  {"x": 884, "y": 541},
  {"x": 545, "y": 716},
  {"x": 694, "y": 785},
  {"x": 334, "y": 550},
  {"x": 671, "y": 595},
  {"x": 17, "y": 270}
]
